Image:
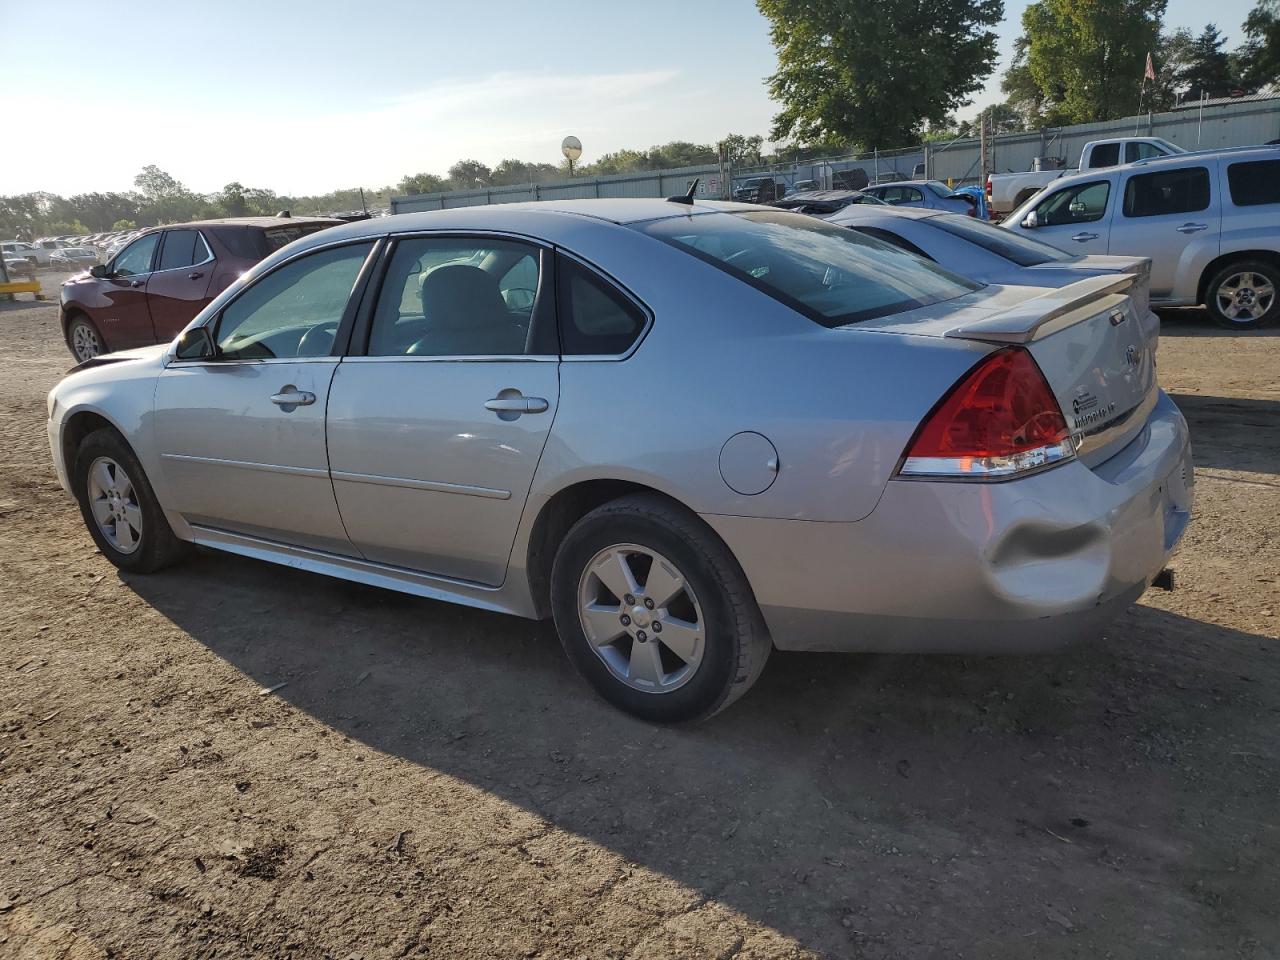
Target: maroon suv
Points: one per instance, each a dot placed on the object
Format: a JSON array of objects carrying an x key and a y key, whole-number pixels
[{"x": 154, "y": 286}]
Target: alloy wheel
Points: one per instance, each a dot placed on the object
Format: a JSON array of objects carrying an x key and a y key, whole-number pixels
[
  {"x": 1245, "y": 296},
  {"x": 84, "y": 342},
  {"x": 641, "y": 618},
  {"x": 114, "y": 505}
]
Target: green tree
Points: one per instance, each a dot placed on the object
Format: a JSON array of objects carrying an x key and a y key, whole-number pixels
[
  {"x": 166, "y": 200},
  {"x": 420, "y": 183},
  {"x": 120, "y": 225},
  {"x": 743, "y": 150},
  {"x": 1258, "y": 58},
  {"x": 875, "y": 72},
  {"x": 1208, "y": 69},
  {"x": 469, "y": 174},
  {"x": 511, "y": 172},
  {"x": 1082, "y": 60}
]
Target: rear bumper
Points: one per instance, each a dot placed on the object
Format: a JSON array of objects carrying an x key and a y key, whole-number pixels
[{"x": 1025, "y": 565}]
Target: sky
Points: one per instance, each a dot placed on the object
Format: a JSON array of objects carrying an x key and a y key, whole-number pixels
[{"x": 298, "y": 98}]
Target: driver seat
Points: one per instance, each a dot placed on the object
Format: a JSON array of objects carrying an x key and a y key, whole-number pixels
[{"x": 466, "y": 315}]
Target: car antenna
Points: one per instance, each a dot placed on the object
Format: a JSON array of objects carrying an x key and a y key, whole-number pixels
[{"x": 688, "y": 197}]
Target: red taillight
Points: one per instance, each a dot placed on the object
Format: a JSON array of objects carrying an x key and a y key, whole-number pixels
[
  {"x": 988, "y": 188},
  {"x": 1001, "y": 419}
]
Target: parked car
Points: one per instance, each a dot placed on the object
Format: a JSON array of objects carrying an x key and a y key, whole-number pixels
[
  {"x": 152, "y": 287},
  {"x": 897, "y": 459},
  {"x": 821, "y": 203},
  {"x": 19, "y": 268},
  {"x": 20, "y": 249},
  {"x": 1208, "y": 221},
  {"x": 926, "y": 194},
  {"x": 1005, "y": 191},
  {"x": 74, "y": 258},
  {"x": 759, "y": 190},
  {"x": 802, "y": 186},
  {"x": 986, "y": 253},
  {"x": 855, "y": 178}
]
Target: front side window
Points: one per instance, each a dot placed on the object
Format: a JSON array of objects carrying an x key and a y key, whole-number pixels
[
  {"x": 293, "y": 311},
  {"x": 1080, "y": 204},
  {"x": 595, "y": 318},
  {"x": 182, "y": 248},
  {"x": 1255, "y": 183},
  {"x": 136, "y": 258},
  {"x": 457, "y": 297},
  {"x": 1015, "y": 247},
  {"x": 1167, "y": 192},
  {"x": 830, "y": 274}
]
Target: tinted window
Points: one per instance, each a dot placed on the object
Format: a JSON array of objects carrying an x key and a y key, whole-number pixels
[
  {"x": 179, "y": 249},
  {"x": 1079, "y": 204},
  {"x": 136, "y": 258},
  {"x": 454, "y": 297},
  {"x": 595, "y": 318},
  {"x": 1015, "y": 247},
  {"x": 293, "y": 311},
  {"x": 278, "y": 237},
  {"x": 1253, "y": 184},
  {"x": 1104, "y": 155},
  {"x": 1167, "y": 192},
  {"x": 830, "y": 274},
  {"x": 1141, "y": 151}
]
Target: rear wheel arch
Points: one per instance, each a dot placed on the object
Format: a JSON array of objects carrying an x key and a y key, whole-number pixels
[{"x": 1218, "y": 264}]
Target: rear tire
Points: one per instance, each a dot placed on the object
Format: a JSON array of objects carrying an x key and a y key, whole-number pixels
[
  {"x": 83, "y": 339},
  {"x": 691, "y": 640},
  {"x": 120, "y": 508},
  {"x": 1243, "y": 295}
]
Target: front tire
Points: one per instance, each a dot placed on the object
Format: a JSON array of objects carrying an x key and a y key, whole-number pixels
[
  {"x": 84, "y": 340},
  {"x": 1242, "y": 295},
  {"x": 120, "y": 508},
  {"x": 654, "y": 611}
]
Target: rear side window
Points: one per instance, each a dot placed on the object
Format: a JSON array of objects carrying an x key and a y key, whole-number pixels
[
  {"x": 1167, "y": 192},
  {"x": 278, "y": 237},
  {"x": 830, "y": 274},
  {"x": 182, "y": 248},
  {"x": 1253, "y": 184},
  {"x": 1104, "y": 155},
  {"x": 595, "y": 318}
]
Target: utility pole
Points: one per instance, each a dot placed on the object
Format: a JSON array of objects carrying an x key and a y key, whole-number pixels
[{"x": 984, "y": 146}]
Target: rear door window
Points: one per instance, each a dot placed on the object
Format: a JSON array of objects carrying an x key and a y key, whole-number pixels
[
  {"x": 182, "y": 248},
  {"x": 1254, "y": 184},
  {"x": 1167, "y": 192}
]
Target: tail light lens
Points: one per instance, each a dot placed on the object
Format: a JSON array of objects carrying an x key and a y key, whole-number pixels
[
  {"x": 988, "y": 187},
  {"x": 999, "y": 421}
]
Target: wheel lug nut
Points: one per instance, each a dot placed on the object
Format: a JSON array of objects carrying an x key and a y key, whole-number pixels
[
  {"x": 626, "y": 621},
  {"x": 657, "y": 627},
  {"x": 641, "y": 636},
  {"x": 629, "y": 600},
  {"x": 648, "y": 602}
]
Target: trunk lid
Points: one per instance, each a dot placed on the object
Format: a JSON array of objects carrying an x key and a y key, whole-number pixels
[{"x": 1090, "y": 341}]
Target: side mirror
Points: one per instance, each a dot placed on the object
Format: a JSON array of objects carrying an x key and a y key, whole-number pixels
[
  {"x": 98, "y": 270},
  {"x": 196, "y": 344},
  {"x": 1031, "y": 221}
]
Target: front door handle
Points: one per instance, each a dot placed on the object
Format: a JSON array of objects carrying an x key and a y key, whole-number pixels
[
  {"x": 1193, "y": 227},
  {"x": 516, "y": 404},
  {"x": 135, "y": 283},
  {"x": 1082, "y": 237},
  {"x": 290, "y": 397}
]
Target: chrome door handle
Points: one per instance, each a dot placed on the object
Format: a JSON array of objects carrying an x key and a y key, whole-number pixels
[
  {"x": 1082, "y": 237},
  {"x": 516, "y": 404},
  {"x": 1193, "y": 227},
  {"x": 194, "y": 275},
  {"x": 291, "y": 396},
  {"x": 135, "y": 283}
]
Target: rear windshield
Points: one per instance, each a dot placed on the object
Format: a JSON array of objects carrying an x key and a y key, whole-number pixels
[
  {"x": 278, "y": 237},
  {"x": 254, "y": 243},
  {"x": 1024, "y": 251},
  {"x": 832, "y": 275}
]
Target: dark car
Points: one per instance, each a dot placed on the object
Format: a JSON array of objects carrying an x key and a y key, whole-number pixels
[
  {"x": 153, "y": 287},
  {"x": 821, "y": 203},
  {"x": 759, "y": 190}
]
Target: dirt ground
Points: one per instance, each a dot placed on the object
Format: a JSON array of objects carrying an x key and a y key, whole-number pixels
[{"x": 424, "y": 780}]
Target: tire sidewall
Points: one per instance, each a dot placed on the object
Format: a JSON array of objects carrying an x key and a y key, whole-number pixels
[
  {"x": 150, "y": 553},
  {"x": 80, "y": 319},
  {"x": 1267, "y": 270},
  {"x": 709, "y": 686}
]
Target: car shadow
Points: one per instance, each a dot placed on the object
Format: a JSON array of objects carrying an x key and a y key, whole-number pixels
[
  {"x": 837, "y": 793},
  {"x": 1195, "y": 322},
  {"x": 1233, "y": 433}
]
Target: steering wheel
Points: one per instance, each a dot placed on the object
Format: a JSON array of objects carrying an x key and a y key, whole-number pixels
[{"x": 318, "y": 337}]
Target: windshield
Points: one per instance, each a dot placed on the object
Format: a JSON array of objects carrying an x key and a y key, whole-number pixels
[
  {"x": 1022, "y": 250},
  {"x": 831, "y": 275}
]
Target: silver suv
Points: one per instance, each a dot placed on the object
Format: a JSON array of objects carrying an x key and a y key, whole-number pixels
[{"x": 1208, "y": 221}]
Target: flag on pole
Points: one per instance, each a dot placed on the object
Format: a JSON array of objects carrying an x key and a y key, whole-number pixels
[{"x": 1150, "y": 72}]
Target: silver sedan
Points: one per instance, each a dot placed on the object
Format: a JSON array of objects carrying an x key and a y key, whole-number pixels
[{"x": 689, "y": 432}]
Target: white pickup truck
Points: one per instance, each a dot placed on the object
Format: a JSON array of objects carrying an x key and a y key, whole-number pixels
[{"x": 1008, "y": 191}]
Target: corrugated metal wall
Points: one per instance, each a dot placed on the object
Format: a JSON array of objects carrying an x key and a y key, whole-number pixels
[{"x": 1225, "y": 123}]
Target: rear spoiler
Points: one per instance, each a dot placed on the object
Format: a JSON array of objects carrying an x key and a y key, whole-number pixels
[{"x": 1048, "y": 313}]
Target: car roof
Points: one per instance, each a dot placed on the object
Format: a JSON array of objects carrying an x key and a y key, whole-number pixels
[
  {"x": 264, "y": 222},
  {"x": 825, "y": 194}
]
